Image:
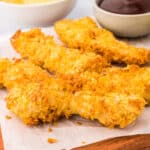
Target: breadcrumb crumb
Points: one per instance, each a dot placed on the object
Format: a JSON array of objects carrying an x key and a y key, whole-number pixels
[
  {"x": 52, "y": 140},
  {"x": 50, "y": 129},
  {"x": 79, "y": 123},
  {"x": 83, "y": 142},
  {"x": 54, "y": 124},
  {"x": 8, "y": 117}
]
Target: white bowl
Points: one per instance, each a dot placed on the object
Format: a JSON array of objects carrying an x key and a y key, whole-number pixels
[
  {"x": 123, "y": 25},
  {"x": 14, "y": 16}
]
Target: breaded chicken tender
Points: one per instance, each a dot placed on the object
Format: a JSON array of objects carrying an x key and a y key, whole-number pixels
[
  {"x": 42, "y": 50},
  {"x": 37, "y": 97},
  {"x": 130, "y": 80},
  {"x": 111, "y": 109},
  {"x": 85, "y": 35},
  {"x": 34, "y": 95}
]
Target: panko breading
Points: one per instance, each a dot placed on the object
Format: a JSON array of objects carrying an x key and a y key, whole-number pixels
[
  {"x": 37, "y": 97},
  {"x": 3, "y": 67},
  {"x": 34, "y": 96},
  {"x": 85, "y": 35},
  {"x": 130, "y": 80},
  {"x": 117, "y": 106},
  {"x": 42, "y": 50}
]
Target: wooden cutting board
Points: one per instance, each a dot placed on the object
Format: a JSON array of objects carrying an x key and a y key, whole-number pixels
[
  {"x": 1, "y": 141},
  {"x": 135, "y": 142}
]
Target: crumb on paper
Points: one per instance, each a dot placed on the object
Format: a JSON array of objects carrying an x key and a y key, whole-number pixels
[
  {"x": 50, "y": 129},
  {"x": 52, "y": 140},
  {"x": 79, "y": 123},
  {"x": 55, "y": 124},
  {"x": 83, "y": 142},
  {"x": 8, "y": 117}
]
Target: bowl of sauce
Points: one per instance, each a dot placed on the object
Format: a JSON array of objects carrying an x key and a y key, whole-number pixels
[
  {"x": 125, "y": 6},
  {"x": 126, "y": 18},
  {"x": 20, "y": 14}
]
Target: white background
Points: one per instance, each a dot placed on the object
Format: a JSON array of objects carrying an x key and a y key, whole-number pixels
[{"x": 82, "y": 8}]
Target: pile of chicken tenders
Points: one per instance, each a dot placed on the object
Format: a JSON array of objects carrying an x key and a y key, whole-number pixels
[{"x": 77, "y": 77}]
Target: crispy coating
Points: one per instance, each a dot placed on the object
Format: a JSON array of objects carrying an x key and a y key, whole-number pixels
[
  {"x": 34, "y": 96},
  {"x": 85, "y": 35},
  {"x": 4, "y": 64},
  {"x": 130, "y": 80},
  {"x": 37, "y": 97},
  {"x": 117, "y": 106},
  {"x": 42, "y": 50}
]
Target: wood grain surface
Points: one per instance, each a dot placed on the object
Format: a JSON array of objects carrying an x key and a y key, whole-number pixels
[
  {"x": 1, "y": 141},
  {"x": 135, "y": 142}
]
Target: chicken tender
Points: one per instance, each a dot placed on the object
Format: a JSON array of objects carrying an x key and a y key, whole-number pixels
[
  {"x": 37, "y": 97},
  {"x": 85, "y": 35},
  {"x": 42, "y": 50},
  {"x": 34, "y": 95},
  {"x": 117, "y": 106},
  {"x": 130, "y": 80}
]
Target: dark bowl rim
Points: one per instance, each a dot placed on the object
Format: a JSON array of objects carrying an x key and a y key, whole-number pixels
[{"x": 95, "y": 5}]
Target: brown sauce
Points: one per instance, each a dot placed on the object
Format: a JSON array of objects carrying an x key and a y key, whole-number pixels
[{"x": 126, "y": 6}]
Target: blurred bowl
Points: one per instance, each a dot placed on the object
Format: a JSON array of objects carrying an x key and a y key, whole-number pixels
[
  {"x": 14, "y": 16},
  {"x": 122, "y": 25}
]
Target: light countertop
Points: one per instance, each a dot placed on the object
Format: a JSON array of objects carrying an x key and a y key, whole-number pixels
[{"x": 82, "y": 8}]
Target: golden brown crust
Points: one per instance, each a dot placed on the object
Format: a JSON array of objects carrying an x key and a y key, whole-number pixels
[
  {"x": 4, "y": 63},
  {"x": 84, "y": 34},
  {"x": 130, "y": 80},
  {"x": 112, "y": 109}
]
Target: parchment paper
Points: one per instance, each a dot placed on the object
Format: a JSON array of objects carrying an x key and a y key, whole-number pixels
[{"x": 69, "y": 133}]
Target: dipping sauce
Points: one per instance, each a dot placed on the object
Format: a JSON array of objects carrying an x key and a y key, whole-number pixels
[
  {"x": 126, "y": 6},
  {"x": 27, "y": 1}
]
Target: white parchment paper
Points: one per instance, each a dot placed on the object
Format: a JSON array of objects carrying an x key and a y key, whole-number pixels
[{"x": 69, "y": 133}]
